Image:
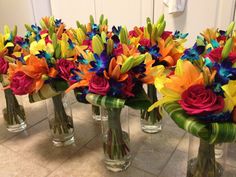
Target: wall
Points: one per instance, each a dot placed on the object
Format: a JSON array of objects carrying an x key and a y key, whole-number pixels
[
  {"x": 129, "y": 13},
  {"x": 13, "y": 12},
  {"x": 198, "y": 15}
]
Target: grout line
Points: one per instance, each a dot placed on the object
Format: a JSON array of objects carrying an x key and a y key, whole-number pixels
[
  {"x": 171, "y": 155},
  {"x": 28, "y": 127},
  {"x": 71, "y": 155},
  {"x": 143, "y": 170}
]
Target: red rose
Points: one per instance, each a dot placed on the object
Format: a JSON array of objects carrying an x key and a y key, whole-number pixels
[
  {"x": 64, "y": 68},
  {"x": 99, "y": 85},
  {"x": 215, "y": 54},
  {"x": 22, "y": 84},
  {"x": 198, "y": 100},
  {"x": 3, "y": 66}
]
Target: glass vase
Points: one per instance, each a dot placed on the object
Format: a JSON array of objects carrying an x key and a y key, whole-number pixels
[
  {"x": 96, "y": 115},
  {"x": 151, "y": 121},
  {"x": 60, "y": 120},
  {"x": 116, "y": 138},
  {"x": 13, "y": 113},
  {"x": 202, "y": 161}
]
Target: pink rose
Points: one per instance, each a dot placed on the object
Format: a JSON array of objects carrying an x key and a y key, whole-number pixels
[
  {"x": 3, "y": 66},
  {"x": 22, "y": 84},
  {"x": 99, "y": 85},
  {"x": 215, "y": 55},
  {"x": 198, "y": 100},
  {"x": 64, "y": 68}
]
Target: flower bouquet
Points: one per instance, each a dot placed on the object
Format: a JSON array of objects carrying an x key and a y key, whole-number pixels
[
  {"x": 164, "y": 48},
  {"x": 200, "y": 97},
  {"x": 113, "y": 73},
  {"x": 83, "y": 38},
  {"x": 45, "y": 73},
  {"x": 10, "y": 52}
]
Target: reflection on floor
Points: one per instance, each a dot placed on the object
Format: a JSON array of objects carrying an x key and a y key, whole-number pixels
[{"x": 31, "y": 154}]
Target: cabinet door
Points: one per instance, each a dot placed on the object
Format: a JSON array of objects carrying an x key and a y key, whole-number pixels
[
  {"x": 71, "y": 10},
  {"x": 129, "y": 13},
  {"x": 198, "y": 15}
]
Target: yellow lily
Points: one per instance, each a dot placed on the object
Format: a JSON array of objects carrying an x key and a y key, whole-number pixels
[
  {"x": 186, "y": 75},
  {"x": 41, "y": 45},
  {"x": 230, "y": 95}
]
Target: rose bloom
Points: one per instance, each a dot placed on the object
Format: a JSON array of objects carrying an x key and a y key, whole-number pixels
[
  {"x": 64, "y": 68},
  {"x": 99, "y": 85},
  {"x": 22, "y": 84},
  {"x": 198, "y": 100},
  {"x": 3, "y": 66}
]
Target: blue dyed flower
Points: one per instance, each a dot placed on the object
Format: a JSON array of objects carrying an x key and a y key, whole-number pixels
[
  {"x": 115, "y": 88},
  {"x": 58, "y": 22},
  {"x": 190, "y": 54},
  {"x": 225, "y": 72},
  {"x": 100, "y": 63},
  {"x": 219, "y": 117},
  {"x": 82, "y": 60},
  {"x": 180, "y": 35},
  {"x": 154, "y": 51},
  {"x": 115, "y": 30}
]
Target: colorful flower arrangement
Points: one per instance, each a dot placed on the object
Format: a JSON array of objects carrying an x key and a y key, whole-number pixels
[
  {"x": 11, "y": 52},
  {"x": 163, "y": 48},
  {"x": 45, "y": 68},
  {"x": 200, "y": 94}
]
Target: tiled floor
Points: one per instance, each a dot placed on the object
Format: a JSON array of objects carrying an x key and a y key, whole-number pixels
[{"x": 31, "y": 153}]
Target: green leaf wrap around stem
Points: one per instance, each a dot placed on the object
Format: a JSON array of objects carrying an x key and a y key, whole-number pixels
[{"x": 210, "y": 132}]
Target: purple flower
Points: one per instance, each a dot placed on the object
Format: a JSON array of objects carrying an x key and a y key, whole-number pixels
[
  {"x": 100, "y": 63},
  {"x": 3, "y": 66}
]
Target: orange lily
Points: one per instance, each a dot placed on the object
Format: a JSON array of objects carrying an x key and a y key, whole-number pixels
[
  {"x": 85, "y": 76},
  {"x": 130, "y": 50},
  {"x": 114, "y": 72},
  {"x": 168, "y": 52},
  {"x": 181, "y": 81},
  {"x": 36, "y": 68}
]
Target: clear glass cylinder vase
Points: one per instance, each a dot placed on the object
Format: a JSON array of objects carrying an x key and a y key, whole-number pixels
[
  {"x": 116, "y": 138},
  {"x": 96, "y": 114},
  {"x": 13, "y": 112},
  {"x": 151, "y": 121},
  {"x": 60, "y": 120},
  {"x": 202, "y": 159}
]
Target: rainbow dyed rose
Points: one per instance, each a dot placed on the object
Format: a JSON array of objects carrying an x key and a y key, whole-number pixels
[
  {"x": 198, "y": 100},
  {"x": 22, "y": 84}
]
